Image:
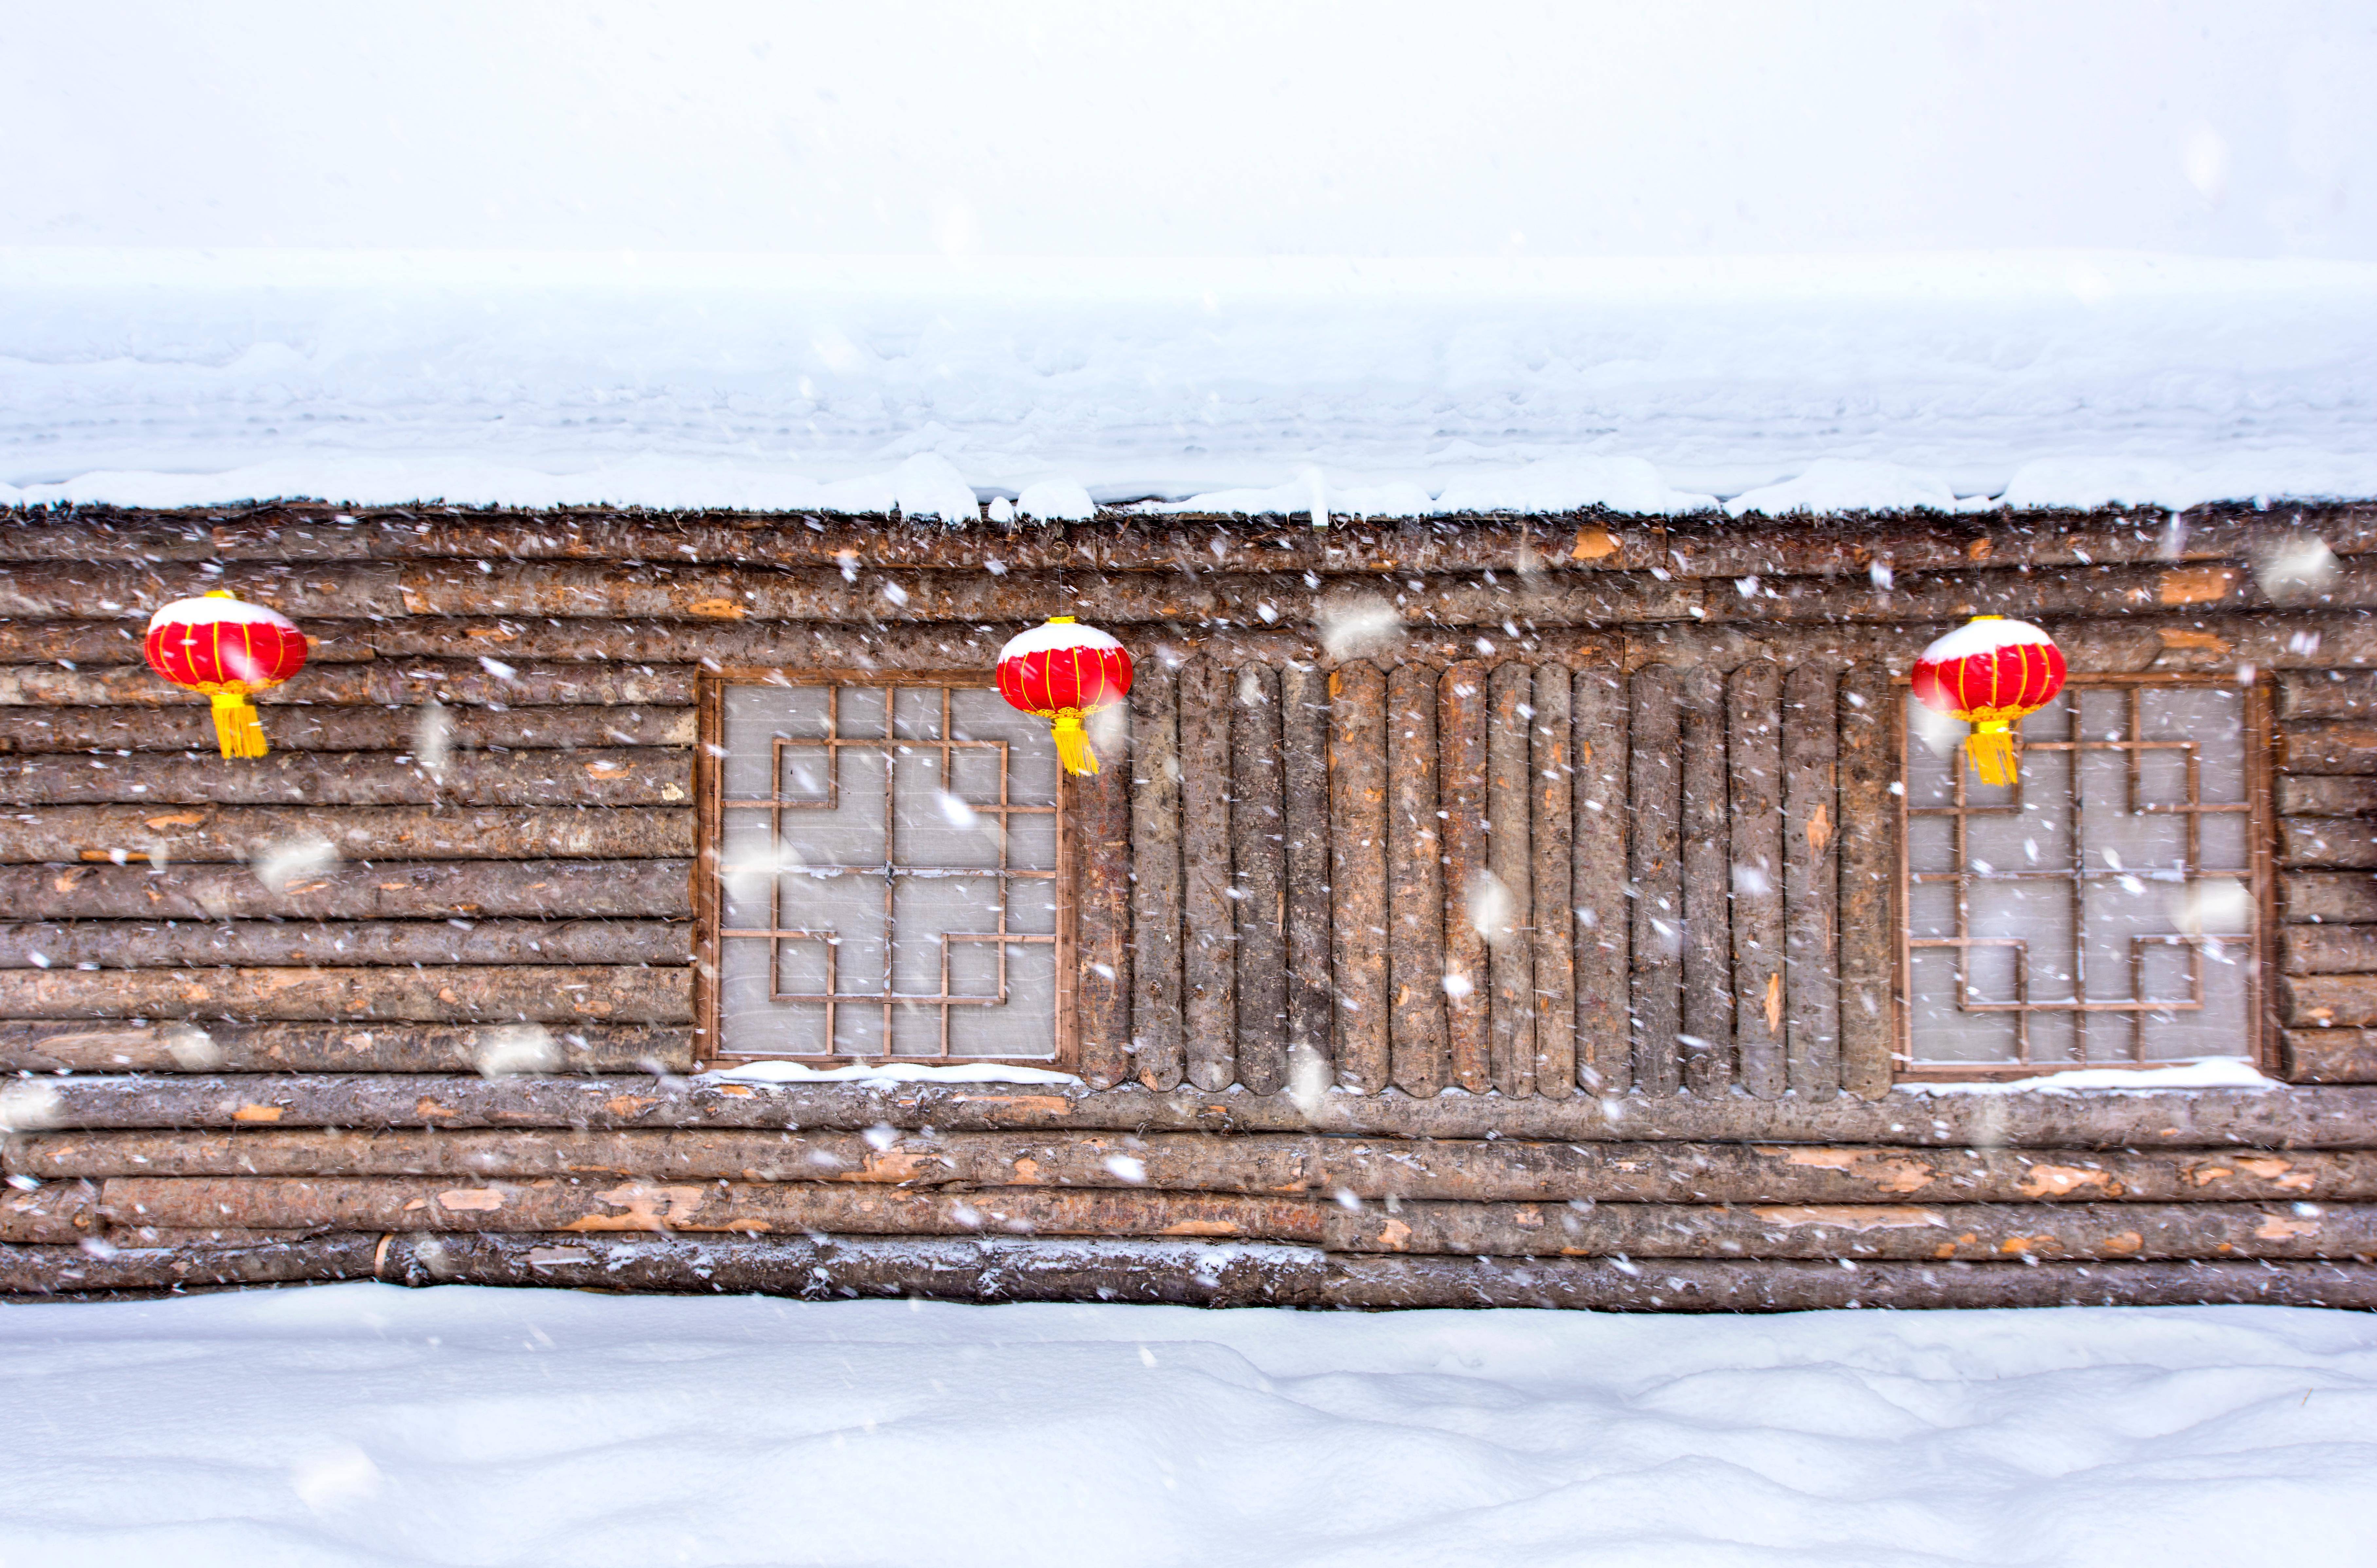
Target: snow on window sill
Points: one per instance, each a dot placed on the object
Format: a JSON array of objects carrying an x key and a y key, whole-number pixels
[
  {"x": 2207, "y": 1072},
  {"x": 888, "y": 1072}
]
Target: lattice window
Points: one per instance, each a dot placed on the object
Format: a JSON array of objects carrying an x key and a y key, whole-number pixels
[
  {"x": 890, "y": 859},
  {"x": 2106, "y": 909}
]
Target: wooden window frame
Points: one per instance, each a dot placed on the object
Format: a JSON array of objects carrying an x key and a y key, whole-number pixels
[
  {"x": 2258, "y": 748},
  {"x": 710, "y": 756}
]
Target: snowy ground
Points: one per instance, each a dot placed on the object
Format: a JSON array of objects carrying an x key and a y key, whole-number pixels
[{"x": 367, "y": 1424}]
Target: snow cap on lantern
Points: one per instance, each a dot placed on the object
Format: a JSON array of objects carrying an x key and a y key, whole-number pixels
[
  {"x": 1992, "y": 673},
  {"x": 1064, "y": 672},
  {"x": 230, "y": 650}
]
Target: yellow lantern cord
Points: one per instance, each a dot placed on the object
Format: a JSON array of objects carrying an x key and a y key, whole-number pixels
[
  {"x": 1073, "y": 742},
  {"x": 238, "y": 729}
]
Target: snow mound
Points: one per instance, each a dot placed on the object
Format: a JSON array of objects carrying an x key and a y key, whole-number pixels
[
  {"x": 2210, "y": 1072},
  {"x": 888, "y": 1072}
]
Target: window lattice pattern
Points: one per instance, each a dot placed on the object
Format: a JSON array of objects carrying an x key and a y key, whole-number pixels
[
  {"x": 2105, "y": 908},
  {"x": 889, "y": 874}
]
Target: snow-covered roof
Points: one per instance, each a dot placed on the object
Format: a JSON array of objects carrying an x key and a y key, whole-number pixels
[{"x": 155, "y": 377}]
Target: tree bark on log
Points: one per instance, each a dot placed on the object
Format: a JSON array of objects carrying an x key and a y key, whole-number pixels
[
  {"x": 1157, "y": 1040},
  {"x": 2343, "y": 896},
  {"x": 2305, "y": 748},
  {"x": 2328, "y": 1001},
  {"x": 594, "y": 1206},
  {"x": 2327, "y": 694},
  {"x": 494, "y": 1048},
  {"x": 1502, "y": 1171},
  {"x": 1417, "y": 1056},
  {"x": 1304, "y": 744},
  {"x": 70, "y": 1271},
  {"x": 1357, "y": 843},
  {"x": 457, "y": 993},
  {"x": 57, "y": 1215},
  {"x": 1553, "y": 1071},
  {"x": 1102, "y": 915},
  {"x": 1754, "y": 782},
  {"x": 644, "y": 776},
  {"x": 1208, "y": 953},
  {"x": 2328, "y": 950},
  {"x": 1461, "y": 701},
  {"x": 2303, "y": 1118},
  {"x": 296, "y": 535},
  {"x": 1655, "y": 806},
  {"x": 140, "y": 944},
  {"x": 2314, "y": 842},
  {"x": 1603, "y": 917},
  {"x": 2330, "y": 1056},
  {"x": 406, "y": 683},
  {"x": 1508, "y": 911},
  {"x": 2320, "y": 796},
  {"x": 1944, "y": 1232},
  {"x": 1867, "y": 836},
  {"x": 272, "y": 834},
  {"x": 1777, "y": 1286},
  {"x": 1707, "y": 1036},
  {"x": 1259, "y": 853},
  {"x": 1811, "y": 881},
  {"x": 387, "y": 891},
  {"x": 36, "y": 731}
]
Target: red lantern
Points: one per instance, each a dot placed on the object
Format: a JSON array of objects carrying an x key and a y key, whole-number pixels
[
  {"x": 1992, "y": 673},
  {"x": 1064, "y": 672},
  {"x": 228, "y": 650}
]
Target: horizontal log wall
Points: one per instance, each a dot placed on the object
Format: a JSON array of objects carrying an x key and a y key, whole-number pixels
[{"x": 1587, "y": 818}]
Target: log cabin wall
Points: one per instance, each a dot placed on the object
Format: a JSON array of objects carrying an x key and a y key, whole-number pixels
[{"x": 1479, "y": 906}]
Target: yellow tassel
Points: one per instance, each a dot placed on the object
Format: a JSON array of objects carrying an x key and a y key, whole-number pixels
[
  {"x": 1073, "y": 745},
  {"x": 1990, "y": 746},
  {"x": 237, "y": 729}
]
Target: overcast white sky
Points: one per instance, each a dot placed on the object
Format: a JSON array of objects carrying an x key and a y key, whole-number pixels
[{"x": 1218, "y": 128}]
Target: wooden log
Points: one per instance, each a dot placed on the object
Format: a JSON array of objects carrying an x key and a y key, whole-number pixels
[
  {"x": 523, "y": 992},
  {"x": 1969, "y": 1232},
  {"x": 608, "y": 776},
  {"x": 1209, "y": 943},
  {"x": 293, "y": 838},
  {"x": 982, "y": 1268},
  {"x": 1418, "y": 1063},
  {"x": 1358, "y": 873},
  {"x": 1502, "y": 1171},
  {"x": 2345, "y": 896},
  {"x": 1598, "y": 882},
  {"x": 1101, "y": 822},
  {"x": 1553, "y": 1071},
  {"x": 60, "y": 1213},
  {"x": 386, "y": 891},
  {"x": 1867, "y": 832},
  {"x": 2321, "y": 842},
  {"x": 1303, "y": 782},
  {"x": 2328, "y": 950},
  {"x": 1157, "y": 1037},
  {"x": 1811, "y": 882},
  {"x": 76, "y": 590},
  {"x": 1656, "y": 804},
  {"x": 32, "y": 731},
  {"x": 1692, "y": 1285},
  {"x": 1707, "y": 1035},
  {"x": 1461, "y": 706},
  {"x": 143, "y": 944},
  {"x": 219, "y": 1047},
  {"x": 70, "y": 1271},
  {"x": 2330, "y": 1056},
  {"x": 1754, "y": 783},
  {"x": 1699, "y": 544},
  {"x": 2308, "y": 748},
  {"x": 2327, "y": 694},
  {"x": 408, "y": 1204},
  {"x": 1176, "y": 1161},
  {"x": 1258, "y": 854},
  {"x": 384, "y": 682},
  {"x": 2327, "y": 1001},
  {"x": 1506, "y": 913},
  {"x": 2318, "y": 797},
  {"x": 2308, "y": 1118}
]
